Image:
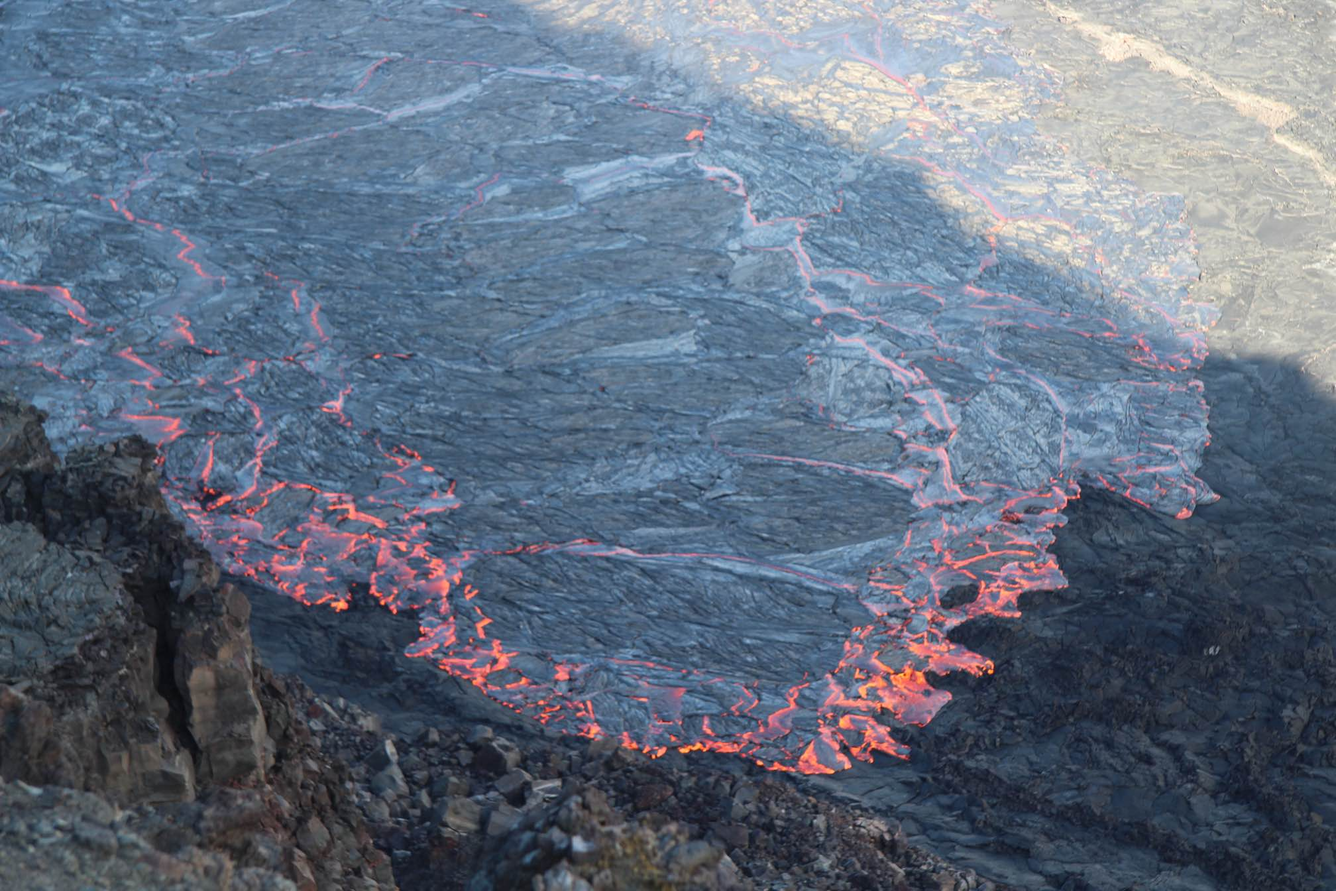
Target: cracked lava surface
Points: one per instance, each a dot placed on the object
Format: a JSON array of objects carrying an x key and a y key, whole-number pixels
[{"x": 688, "y": 371}]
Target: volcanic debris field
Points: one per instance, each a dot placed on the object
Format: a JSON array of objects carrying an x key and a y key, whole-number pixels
[{"x": 720, "y": 378}]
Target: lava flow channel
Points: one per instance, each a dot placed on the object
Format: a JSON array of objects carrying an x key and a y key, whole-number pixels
[{"x": 961, "y": 385}]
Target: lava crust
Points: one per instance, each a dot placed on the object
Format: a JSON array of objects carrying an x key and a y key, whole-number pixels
[{"x": 671, "y": 367}]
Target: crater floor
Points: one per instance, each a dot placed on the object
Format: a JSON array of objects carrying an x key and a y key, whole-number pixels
[{"x": 719, "y": 376}]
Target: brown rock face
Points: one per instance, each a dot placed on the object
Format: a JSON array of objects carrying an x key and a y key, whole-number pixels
[
  {"x": 120, "y": 622},
  {"x": 213, "y": 671},
  {"x": 127, "y": 670}
]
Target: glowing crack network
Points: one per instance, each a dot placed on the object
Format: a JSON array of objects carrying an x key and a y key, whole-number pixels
[{"x": 689, "y": 371}]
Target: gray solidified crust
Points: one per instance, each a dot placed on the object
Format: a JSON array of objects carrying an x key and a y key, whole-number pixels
[{"x": 672, "y": 363}]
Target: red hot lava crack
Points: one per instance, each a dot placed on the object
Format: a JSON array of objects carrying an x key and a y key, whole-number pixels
[{"x": 990, "y": 536}]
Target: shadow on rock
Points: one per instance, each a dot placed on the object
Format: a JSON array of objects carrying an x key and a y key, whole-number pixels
[{"x": 1176, "y": 704}]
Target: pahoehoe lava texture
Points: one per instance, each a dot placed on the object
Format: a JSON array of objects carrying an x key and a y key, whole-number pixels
[{"x": 672, "y": 363}]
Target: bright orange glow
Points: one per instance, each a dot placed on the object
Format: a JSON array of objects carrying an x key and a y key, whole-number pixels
[{"x": 386, "y": 542}]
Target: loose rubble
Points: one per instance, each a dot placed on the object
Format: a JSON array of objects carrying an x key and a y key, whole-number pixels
[
  {"x": 580, "y": 814},
  {"x": 53, "y": 838}
]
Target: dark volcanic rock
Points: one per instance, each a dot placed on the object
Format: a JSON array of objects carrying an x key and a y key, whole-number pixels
[
  {"x": 51, "y": 599},
  {"x": 579, "y": 843},
  {"x": 497, "y": 756},
  {"x": 128, "y": 671},
  {"x": 55, "y": 839},
  {"x": 615, "y": 819},
  {"x": 144, "y": 654}
]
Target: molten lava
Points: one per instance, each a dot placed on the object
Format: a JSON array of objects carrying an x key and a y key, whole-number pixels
[{"x": 992, "y": 404}]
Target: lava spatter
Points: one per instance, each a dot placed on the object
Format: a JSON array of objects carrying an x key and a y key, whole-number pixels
[{"x": 739, "y": 364}]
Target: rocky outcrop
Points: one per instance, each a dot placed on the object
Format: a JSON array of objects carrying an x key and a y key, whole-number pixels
[
  {"x": 134, "y": 659},
  {"x": 127, "y": 671}
]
